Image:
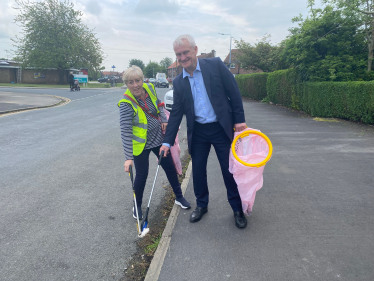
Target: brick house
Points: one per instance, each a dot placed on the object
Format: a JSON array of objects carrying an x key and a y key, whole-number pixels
[
  {"x": 235, "y": 67},
  {"x": 175, "y": 69},
  {"x": 11, "y": 71},
  {"x": 110, "y": 73}
]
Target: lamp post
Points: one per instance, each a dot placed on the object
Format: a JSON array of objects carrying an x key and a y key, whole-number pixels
[
  {"x": 230, "y": 46},
  {"x": 113, "y": 80}
]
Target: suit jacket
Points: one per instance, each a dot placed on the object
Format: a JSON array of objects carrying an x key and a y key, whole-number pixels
[{"x": 223, "y": 93}]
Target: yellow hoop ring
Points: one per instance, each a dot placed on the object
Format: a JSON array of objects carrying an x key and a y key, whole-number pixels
[{"x": 245, "y": 134}]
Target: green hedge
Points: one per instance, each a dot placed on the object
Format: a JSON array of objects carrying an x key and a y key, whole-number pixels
[
  {"x": 285, "y": 87},
  {"x": 252, "y": 85},
  {"x": 347, "y": 100}
]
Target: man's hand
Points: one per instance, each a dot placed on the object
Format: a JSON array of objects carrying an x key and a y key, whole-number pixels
[
  {"x": 240, "y": 127},
  {"x": 163, "y": 126},
  {"x": 165, "y": 149},
  {"x": 127, "y": 165}
]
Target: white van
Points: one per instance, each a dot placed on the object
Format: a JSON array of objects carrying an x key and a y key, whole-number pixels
[{"x": 160, "y": 75}]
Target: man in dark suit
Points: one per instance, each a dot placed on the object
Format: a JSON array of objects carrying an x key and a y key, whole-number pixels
[{"x": 207, "y": 93}]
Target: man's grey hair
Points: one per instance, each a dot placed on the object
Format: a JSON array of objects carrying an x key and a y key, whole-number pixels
[{"x": 179, "y": 42}]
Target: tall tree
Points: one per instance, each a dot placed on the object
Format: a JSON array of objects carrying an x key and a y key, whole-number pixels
[
  {"x": 362, "y": 10},
  {"x": 151, "y": 69},
  {"x": 327, "y": 46},
  {"x": 53, "y": 36},
  {"x": 95, "y": 73},
  {"x": 166, "y": 62},
  {"x": 262, "y": 55},
  {"x": 137, "y": 62}
]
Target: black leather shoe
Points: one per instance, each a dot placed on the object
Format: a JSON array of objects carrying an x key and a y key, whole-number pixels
[
  {"x": 240, "y": 219},
  {"x": 198, "y": 214}
]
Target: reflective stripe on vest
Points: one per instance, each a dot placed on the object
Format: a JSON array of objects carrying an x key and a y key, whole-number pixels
[
  {"x": 139, "y": 122},
  {"x": 150, "y": 88},
  {"x": 153, "y": 96},
  {"x": 135, "y": 119},
  {"x": 138, "y": 139}
]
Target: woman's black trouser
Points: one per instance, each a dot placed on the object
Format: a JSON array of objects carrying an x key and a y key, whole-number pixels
[{"x": 142, "y": 166}]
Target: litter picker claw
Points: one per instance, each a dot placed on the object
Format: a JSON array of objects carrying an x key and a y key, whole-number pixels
[
  {"x": 144, "y": 228},
  {"x": 135, "y": 205}
]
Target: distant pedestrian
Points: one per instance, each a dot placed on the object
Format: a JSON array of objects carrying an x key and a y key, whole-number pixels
[
  {"x": 71, "y": 80},
  {"x": 207, "y": 93}
]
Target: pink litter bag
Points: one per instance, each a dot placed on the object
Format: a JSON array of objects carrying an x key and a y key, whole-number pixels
[
  {"x": 251, "y": 149},
  {"x": 175, "y": 150}
]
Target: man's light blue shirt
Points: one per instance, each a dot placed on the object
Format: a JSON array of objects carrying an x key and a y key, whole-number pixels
[{"x": 204, "y": 112}]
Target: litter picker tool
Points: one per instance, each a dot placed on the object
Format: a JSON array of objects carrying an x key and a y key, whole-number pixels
[
  {"x": 144, "y": 225},
  {"x": 135, "y": 205}
]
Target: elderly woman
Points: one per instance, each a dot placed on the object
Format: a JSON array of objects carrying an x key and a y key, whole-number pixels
[{"x": 141, "y": 131}]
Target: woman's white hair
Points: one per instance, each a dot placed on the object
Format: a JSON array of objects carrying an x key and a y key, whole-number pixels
[
  {"x": 131, "y": 73},
  {"x": 179, "y": 42}
]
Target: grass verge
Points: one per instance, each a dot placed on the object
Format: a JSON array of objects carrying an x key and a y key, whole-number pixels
[{"x": 138, "y": 266}]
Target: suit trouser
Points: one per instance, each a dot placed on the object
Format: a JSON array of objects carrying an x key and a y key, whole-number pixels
[
  {"x": 205, "y": 135},
  {"x": 142, "y": 167}
]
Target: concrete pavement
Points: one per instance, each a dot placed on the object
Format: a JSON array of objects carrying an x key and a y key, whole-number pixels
[
  {"x": 11, "y": 101},
  {"x": 312, "y": 220}
]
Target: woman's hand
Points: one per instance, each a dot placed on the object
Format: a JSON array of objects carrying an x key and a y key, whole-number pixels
[
  {"x": 163, "y": 126},
  {"x": 127, "y": 165}
]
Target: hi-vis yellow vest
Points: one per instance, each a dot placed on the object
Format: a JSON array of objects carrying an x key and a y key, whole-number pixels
[{"x": 139, "y": 120}]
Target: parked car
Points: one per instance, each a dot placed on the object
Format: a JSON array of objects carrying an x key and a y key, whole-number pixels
[
  {"x": 168, "y": 100},
  {"x": 169, "y": 79},
  {"x": 146, "y": 80},
  {"x": 116, "y": 78},
  {"x": 162, "y": 82},
  {"x": 152, "y": 80},
  {"x": 103, "y": 79}
]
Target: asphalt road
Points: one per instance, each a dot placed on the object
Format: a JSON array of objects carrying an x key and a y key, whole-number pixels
[{"x": 65, "y": 200}]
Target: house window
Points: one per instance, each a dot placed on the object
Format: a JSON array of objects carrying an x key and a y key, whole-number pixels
[{"x": 232, "y": 65}]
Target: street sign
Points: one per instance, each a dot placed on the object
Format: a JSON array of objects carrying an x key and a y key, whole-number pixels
[{"x": 81, "y": 78}]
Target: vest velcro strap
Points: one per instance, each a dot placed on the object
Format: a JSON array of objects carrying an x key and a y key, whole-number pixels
[{"x": 138, "y": 139}]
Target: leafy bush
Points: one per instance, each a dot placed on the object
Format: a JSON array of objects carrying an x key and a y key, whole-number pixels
[{"x": 252, "y": 85}]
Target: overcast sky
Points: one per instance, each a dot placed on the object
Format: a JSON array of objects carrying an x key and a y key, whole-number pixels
[{"x": 146, "y": 29}]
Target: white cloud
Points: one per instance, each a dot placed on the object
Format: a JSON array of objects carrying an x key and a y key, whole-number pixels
[
  {"x": 146, "y": 29},
  {"x": 94, "y": 7}
]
